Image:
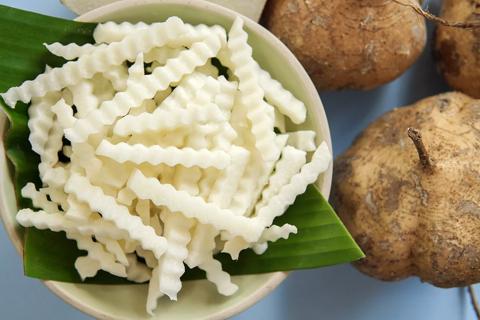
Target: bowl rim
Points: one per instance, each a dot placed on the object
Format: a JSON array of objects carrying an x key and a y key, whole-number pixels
[{"x": 275, "y": 278}]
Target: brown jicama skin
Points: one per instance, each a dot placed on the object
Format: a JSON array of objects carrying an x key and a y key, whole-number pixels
[
  {"x": 457, "y": 49},
  {"x": 415, "y": 217},
  {"x": 348, "y": 43}
]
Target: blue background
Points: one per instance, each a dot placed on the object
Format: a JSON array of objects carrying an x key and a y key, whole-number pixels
[{"x": 338, "y": 292}]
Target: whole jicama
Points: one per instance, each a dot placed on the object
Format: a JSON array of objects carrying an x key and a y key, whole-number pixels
[
  {"x": 458, "y": 49},
  {"x": 349, "y": 43},
  {"x": 414, "y": 208}
]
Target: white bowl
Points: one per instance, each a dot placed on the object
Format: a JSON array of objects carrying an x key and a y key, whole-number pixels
[{"x": 198, "y": 299}]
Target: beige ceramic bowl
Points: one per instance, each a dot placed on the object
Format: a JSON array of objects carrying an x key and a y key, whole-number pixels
[{"x": 198, "y": 299}]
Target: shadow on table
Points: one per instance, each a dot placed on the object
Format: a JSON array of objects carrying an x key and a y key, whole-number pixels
[{"x": 342, "y": 292}]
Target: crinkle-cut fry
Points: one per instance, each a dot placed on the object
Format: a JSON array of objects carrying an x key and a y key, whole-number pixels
[
  {"x": 244, "y": 195},
  {"x": 179, "y": 98},
  {"x": 137, "y": 271},
  {"x": 118, "y": 214},
  {"x": 117, "y": 75},
  {"x": 270, "y": 111},
  {"x": 217, "y": 138},
  {"x": 223, "y": 136},
  {"x": 280, "y": 97},
  {"x": 71, "y": 51},
  {"x": 110, "y": 31},
  {"x": 57, "y": 195},
  {"x": 303, "y": 140},
  {"x": 145, "y": 88},
  {"x": 198, "y": 33},
  {"x": 202, "y": 245},
  {"x": 137, "y": 69},
  {"x": 196, "y": 251},
  {"x": 148, "y": 256},
  {"x": 234, "y": 246},
  {"x": 309, "y": 173},
  {"x": 87, "y": 267},
  {"x": 193, "y": 206},
  {"x": 273, "y": 233},
  {"x": 227, "y": 184},
  {"x": 113, "y": 247},
  {"x": 225, "y": 99},
  {"x": 40, "y": 121},
  {"x": 96, "y": 251},
  {"x": 279, "y": 122},
  {"x": 221, "y": 279},
  {"x": 163, "y": 120},
  {"x": 197, "y": 140},
  {"x": 205, "y": 184},
  {"x": 64, "y": 114},
  {"x": 59, "y": 222},
  {"x": 255, "y": 176},
  {"x": 225, "y": 58},
  {"x": 199, "y": 136},
  {"x": 54, "y": 176},
  {"x": 177, "y": 111},
  {"x": 89, "y": 125},
  {"x": 186, "y": 90},
  {"x": 208, "y": 92},
  {"x": 252, "y": 94},
  {"x": 266, "y": 172},
  {"x": 260, "y": 248},
  {"x": 113, "y": 174},
  {"x": 143, "y": 210},
  {"x": 154, "y": 292},
  {"x": 290, "y": 164},
  {"x": 171, "y": 156},
  {"x": 86, "y": 66},
  {"x": 81, "y": 233},
  {"x": 77, "y": 210},
  {"x": 125, "y": 196},
  {"x": 53, "y": 146},
  {"x": 239, "y": 121},
  {"x": 39, "y": 198},
  {"x": 187, "y": 179},
  {"x": 160, "y": 55},
  {"x": 83, "y": 154},
  {"x": 113, "y": 32},
  {"x": 176, "y": 231}
]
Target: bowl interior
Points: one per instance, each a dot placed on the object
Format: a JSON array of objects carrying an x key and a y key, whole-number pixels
[{"x": 198, "y": 299}]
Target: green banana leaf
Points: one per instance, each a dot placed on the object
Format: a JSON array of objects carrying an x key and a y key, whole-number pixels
[{"x": 321, "y": 240}]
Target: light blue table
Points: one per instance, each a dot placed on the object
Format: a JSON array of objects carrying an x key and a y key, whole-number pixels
[{"x": 332, "y": 293}]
